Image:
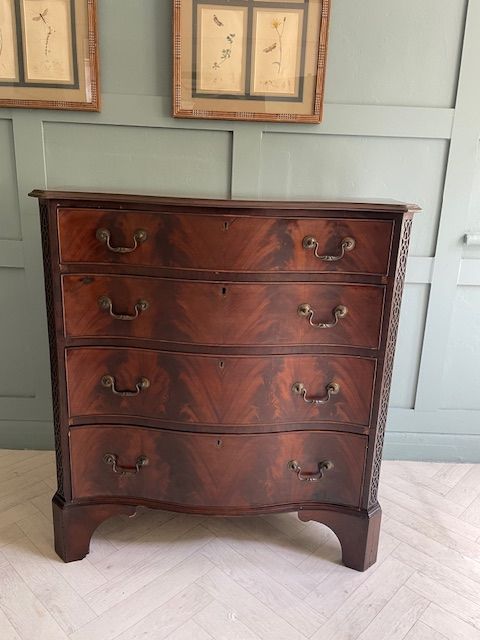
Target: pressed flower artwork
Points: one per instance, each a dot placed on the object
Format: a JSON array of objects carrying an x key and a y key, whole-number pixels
[
  {"x": 250, "y": 59},
  {"x": 48, "y": 44},
  {"x": 48, "y": 54},
  {"x": 278, "y": 51},
  {"x": 8, "y": 51},
  {"x": 220, "y": 51}
]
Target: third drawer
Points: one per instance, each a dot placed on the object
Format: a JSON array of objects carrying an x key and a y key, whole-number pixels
[
  {"x": 226, "y": 390},
  {"x": 223, "y": 313}
]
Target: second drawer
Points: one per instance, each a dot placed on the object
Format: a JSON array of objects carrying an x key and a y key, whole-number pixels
[
  {"x": 222, "y": 313},
  {"x": 212, "y": 390}
]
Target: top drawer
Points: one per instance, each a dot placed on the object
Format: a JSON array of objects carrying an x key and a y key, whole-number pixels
[{"x": 225, "y": 243}]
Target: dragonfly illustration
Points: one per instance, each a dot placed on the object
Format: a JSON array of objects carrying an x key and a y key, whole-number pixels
[{"x": 41, "y": 16}]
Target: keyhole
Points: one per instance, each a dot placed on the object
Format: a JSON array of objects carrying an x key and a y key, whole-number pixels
[
  {"x": 221, "y": 364},
  {"x": 224, "y": 291},
  {"x": 218, "y": 444},
  {"x": 225, "y": 226}
]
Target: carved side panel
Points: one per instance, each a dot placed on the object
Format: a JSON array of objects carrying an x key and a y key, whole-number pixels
[
  {"x": 47, "y": 266},
  {"x": 389, "y": 357}
]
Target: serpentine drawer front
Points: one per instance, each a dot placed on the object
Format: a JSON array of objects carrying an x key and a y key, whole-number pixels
[
  {"x": 270, "y": 314},
  {"x": 225, "y": 242},
  {"x": 221, "y": 357},
  {"x": 217, "y": 471},
  {"x": 229, "y": 390}
]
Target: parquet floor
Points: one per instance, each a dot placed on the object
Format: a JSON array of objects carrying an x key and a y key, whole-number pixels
[{"x": 161, "y": 575}]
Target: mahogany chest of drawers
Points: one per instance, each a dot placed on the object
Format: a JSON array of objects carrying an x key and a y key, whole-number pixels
[{"x": 221, "y": 357}]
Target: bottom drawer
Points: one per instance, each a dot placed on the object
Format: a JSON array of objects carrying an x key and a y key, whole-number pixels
[{"x": 217, "y": 471}]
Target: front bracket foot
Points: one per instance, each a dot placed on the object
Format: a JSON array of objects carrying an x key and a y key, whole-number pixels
[
  {"x": 74, "y": 525},
  {"x": 357, "y": 531}
]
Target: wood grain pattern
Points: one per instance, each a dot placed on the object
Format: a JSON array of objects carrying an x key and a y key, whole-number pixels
[
  {"x": 222, "y": 313},
  {"x": 226, "y": 390},
  {"x": 224, "y": 471},
  {"x": 129, "y": 201},
  {"x": 358, "y": 534},
  {"x": 224, "y": 242},
  {"x": 221, "y": 345}
]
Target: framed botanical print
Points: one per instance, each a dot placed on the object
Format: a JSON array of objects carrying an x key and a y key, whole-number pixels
[
  {"x": 250, "y": 59},
  {"x": 48, "y": 54}
]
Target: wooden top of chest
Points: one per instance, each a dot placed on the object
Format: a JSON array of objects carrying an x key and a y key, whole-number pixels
[{"x": 108, "y": 199}]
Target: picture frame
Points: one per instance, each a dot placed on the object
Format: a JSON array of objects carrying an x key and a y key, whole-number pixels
[
  {"x": 49, "y": 54},
  {"x": 255, "y": 60}
]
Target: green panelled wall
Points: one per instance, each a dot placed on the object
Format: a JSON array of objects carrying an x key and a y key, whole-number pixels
[{"x": 402, "y": 120}]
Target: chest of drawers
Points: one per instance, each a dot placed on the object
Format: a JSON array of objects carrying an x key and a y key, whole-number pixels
[{"x": 221, "y": 357}]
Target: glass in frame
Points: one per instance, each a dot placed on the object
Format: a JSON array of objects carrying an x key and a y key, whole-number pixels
[{"x": 250, "y": 59}]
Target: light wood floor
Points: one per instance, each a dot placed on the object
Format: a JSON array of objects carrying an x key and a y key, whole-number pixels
[{"x": 161, "y": 575}]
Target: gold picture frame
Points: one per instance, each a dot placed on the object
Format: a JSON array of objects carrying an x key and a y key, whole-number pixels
[
  {"x": 49, "y": 54},
  {"x": 256, "y": 60}
]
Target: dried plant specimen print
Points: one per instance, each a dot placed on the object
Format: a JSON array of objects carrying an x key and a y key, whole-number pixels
[
  {"x": 220, "y": 54},
  {"x": 48, "y": 47},
  {"x": 279, "y": 26},
  {"x": 49, "y": 30},
  {"x": 48, "y": 54},
  {"x": 226, "y": 53},
  {"x": 8, "y": 58},
  {"x": 278, "y": 48},
  {"x": 257, "y": 60}
]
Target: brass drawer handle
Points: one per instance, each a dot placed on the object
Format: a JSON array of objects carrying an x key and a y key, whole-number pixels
[
  {"x": 332, "y": 389},
  {"x": 306, "y": 311},
  {"x": 106, "y": 304},
  {"x": 327, "y": 465},
  {"x": 109, "y": 382},
  {"x": 103, "y": 236},
  {"x": 112, "y": 459},
  {"x": 347, "y": 244}
]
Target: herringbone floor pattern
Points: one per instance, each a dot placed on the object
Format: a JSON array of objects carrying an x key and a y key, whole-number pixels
[{"x": 162, "y": 575}]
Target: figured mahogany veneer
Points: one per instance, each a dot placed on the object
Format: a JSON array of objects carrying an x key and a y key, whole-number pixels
[
  {"x": 223, "y": 242},
  {"x": 217, "y": 472},
  {"x": 219, "y": 390},
  {"x": 223, "y": 390},
  {"x": 238, "y": 313},
  {"x": 188, "y": 368}
]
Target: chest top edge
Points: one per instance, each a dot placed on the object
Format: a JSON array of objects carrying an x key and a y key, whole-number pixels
[{"x": 118, "y": 200}]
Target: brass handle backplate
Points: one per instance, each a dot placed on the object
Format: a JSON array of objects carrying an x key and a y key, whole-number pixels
[
  {"x": 112, "y": 459},
  {"x": 106, "y": 304},
  {"x": 347, "y": 244},
  {"x": 294, "y": 466},
  {"x": 332, "y": 389},
  {"x": 306, "y": 311},
  {"x": 109, "y": 382},
  {"x": 103, "y": 236}
]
